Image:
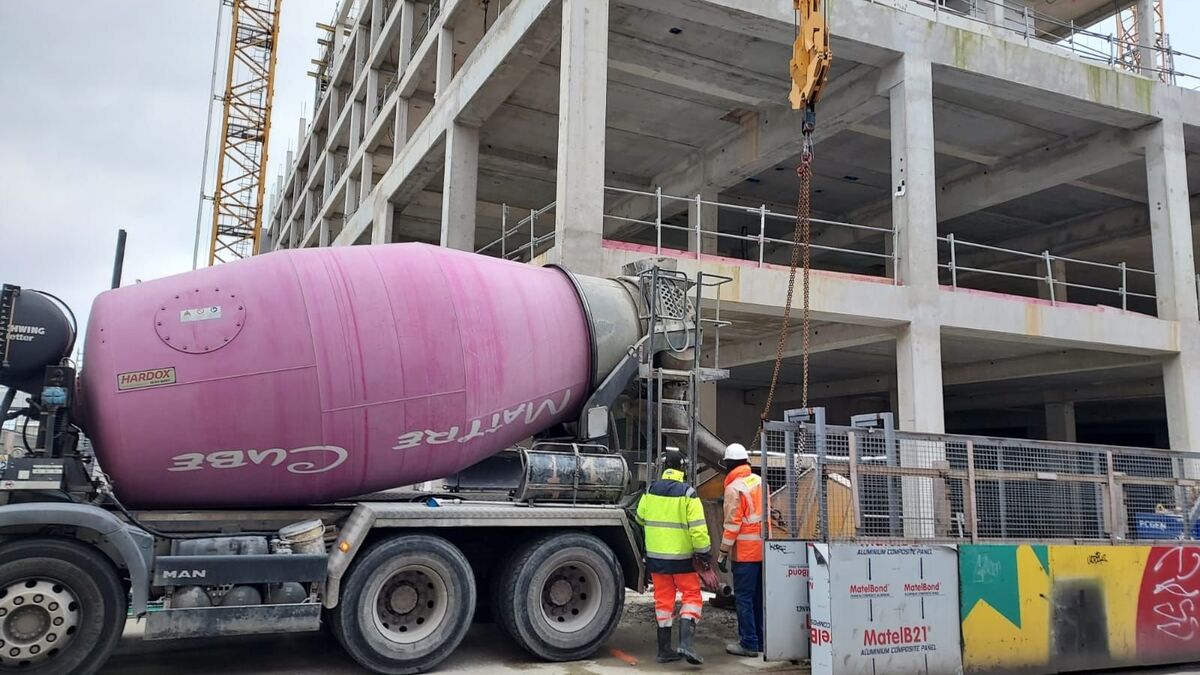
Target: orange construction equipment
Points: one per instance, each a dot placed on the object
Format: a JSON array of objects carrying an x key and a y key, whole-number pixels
[{"x": 811, "y": 55}]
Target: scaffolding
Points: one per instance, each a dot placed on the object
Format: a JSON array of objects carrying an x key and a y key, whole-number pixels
[{"x": 245, "y": 130}]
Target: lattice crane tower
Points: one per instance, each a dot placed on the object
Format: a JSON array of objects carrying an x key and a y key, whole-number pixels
[
  {"x": 245, "y": 129},
  {"x": 1129, "y": 37}
]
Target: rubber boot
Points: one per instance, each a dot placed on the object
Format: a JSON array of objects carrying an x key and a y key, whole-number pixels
[
  {"x": 666, "y": 653},
  {"x": 687, "y": 635}
]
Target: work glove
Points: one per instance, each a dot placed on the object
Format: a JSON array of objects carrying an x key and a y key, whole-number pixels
[{"x": 723, "y": 563}]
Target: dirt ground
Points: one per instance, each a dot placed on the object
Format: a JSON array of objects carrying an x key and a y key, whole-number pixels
[{"x": 485, "y": 650}]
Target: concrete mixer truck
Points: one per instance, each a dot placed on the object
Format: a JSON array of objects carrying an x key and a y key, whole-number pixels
[{"x": 380, "y": 438}]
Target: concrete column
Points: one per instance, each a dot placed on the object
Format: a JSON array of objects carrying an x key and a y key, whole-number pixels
[
  {"x": 459, "y": 187},
  {"x": 445, "y": 62},
  {"x": 407, "y": 10},
  {"x": 1175, "y": 272},
  {"x": 705, "y": 216},
  {"x": 995, "y": 12},
  {"x": 357, "y": 119},
  {"x": 914, "y": 213},
  {"x": 1171, "y": 221},
  {"x": 372, "y": 97},
  {"x": 367, "y": 180},
  {"x": 1060, "y": 421},
  {"x": 328, "y": 179},
  {"x": 382, "y": 222},
  {"x": 377, "y": 21},
  {"x": 582, "y": 107},
  {"x": 400, "y": 132},
  {"x": 1146, "y": 36}
]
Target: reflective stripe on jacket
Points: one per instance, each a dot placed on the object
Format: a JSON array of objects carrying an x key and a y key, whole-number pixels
[
  {"x": 673, "y": 518},
  {"x": 742, "y": 530}
]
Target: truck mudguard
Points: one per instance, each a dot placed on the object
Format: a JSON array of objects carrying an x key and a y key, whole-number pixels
[{"x": 127, "y": 546}]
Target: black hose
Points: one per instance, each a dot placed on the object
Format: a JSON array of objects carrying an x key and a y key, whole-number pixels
[{"x": 25, "y": 436}]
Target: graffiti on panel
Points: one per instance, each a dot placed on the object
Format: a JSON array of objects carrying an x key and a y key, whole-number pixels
[
  {"x": 1078, "y": 607},
  {"x": 1169, "y": 602}
]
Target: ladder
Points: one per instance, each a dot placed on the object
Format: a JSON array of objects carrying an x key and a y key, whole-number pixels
[{"x": 676, "y": 324}]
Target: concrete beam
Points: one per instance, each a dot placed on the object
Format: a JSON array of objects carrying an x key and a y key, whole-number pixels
[
  {"x": 768, "y": 136},
  {"x": 995, "y": 370},
  {"x": 1037, "y": 170},
  {"x": 1119, "y": 391},
  {"x": 694, "y": 72},
  {"x": 967, "y": 53},
  {"x": 829, "y": 337},
  {"x": 847, "y": 298}
]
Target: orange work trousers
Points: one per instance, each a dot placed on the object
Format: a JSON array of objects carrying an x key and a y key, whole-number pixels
[{"x": 665, "y": 588}]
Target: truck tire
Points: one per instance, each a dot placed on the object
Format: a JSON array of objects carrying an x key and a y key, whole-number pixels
[
  {"x": 62, "y": 607},
  {"x": 407, "y": 603},
  {"x": 560, "y": 596}
]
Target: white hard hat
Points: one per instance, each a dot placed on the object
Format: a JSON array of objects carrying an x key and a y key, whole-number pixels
[{"x": 735, "y": 452}]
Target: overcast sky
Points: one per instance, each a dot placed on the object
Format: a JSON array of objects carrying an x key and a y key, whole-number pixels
[{"x": 102, "y": 114}]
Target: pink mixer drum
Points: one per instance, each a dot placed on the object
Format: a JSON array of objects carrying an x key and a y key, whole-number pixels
[{"x": 308, "y": 376}]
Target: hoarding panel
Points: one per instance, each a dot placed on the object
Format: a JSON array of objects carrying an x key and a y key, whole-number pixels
[{"x": 785, "y": 599}]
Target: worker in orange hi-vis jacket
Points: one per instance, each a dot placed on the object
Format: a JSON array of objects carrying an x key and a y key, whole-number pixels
[
  {"x": 673, "y": 518},
  {"x": 742, "y": 535}
]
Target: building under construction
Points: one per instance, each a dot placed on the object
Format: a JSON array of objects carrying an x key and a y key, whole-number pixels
[{"x": 1002, "y": 202}]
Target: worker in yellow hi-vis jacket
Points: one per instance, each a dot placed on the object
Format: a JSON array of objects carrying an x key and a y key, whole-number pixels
[{"x": 673, "y": 519}]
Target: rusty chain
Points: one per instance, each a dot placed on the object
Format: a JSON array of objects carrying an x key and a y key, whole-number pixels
[{"x": 801, "y": 258}]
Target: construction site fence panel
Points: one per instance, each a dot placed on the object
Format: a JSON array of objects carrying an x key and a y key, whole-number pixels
[{"x": 834, "y": 483}]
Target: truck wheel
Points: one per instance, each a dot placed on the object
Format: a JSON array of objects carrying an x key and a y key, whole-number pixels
[
  {"x": 560, "y": 596},
  {"x": 62, "y": 607},
  {"x": 407, "y": 603}
]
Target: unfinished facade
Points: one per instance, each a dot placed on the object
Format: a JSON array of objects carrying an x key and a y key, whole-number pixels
[{"x": 1004, "y": 242}]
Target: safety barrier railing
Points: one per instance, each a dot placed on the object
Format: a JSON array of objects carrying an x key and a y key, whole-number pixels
[
  {"x": 522, "y": 239},
  {"x": 1082, "y": 41},
  {"x": 853, "y": 483},
  {"x": 755, "y": 222},
  {"x": 419, "y": 32},
  {"x": 1056, "y": 284}
]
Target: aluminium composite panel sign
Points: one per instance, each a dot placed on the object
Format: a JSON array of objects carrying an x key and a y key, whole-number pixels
[
  {"x": 785, "y": 600},
  {"x": 884, "y": 609}
]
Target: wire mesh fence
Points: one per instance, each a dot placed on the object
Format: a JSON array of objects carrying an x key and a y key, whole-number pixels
[{"x": 830, "y": 483}]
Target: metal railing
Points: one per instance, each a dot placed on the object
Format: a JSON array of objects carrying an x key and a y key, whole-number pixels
[
  {"x": 833, "y": 483},
  {"x": 756, "y": 221},
  {"x": 419, "y": 32},
  {"x": 1056, "y": 288},
  {"x": 1079, "y": 40},
  {"x": 519, "y": 238}
]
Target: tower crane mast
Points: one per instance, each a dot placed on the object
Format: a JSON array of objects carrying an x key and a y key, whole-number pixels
[{"x": 237, "y": 202}]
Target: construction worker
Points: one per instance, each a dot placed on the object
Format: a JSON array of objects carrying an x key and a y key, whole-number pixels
[
  {"x": 673, "y": 518},
  {"x": 742, "y": 535}
]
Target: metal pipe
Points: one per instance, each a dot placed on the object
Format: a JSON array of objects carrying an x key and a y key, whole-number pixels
[
  {"x": 119, "y": 259},
  {"x": 953, "y": 261}
]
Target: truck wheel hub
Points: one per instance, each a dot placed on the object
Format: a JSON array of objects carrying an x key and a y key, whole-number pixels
[
  {"x": 410, "y": 604},
  {"x": 560, "y": 592},
  {"x": 404, "y": 599},
  {"x": 37, "y": 617},
  {"x": 571, "y": 597}
]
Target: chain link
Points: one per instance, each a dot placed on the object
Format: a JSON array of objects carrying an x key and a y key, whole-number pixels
[{"x": 801, "y": 258}]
